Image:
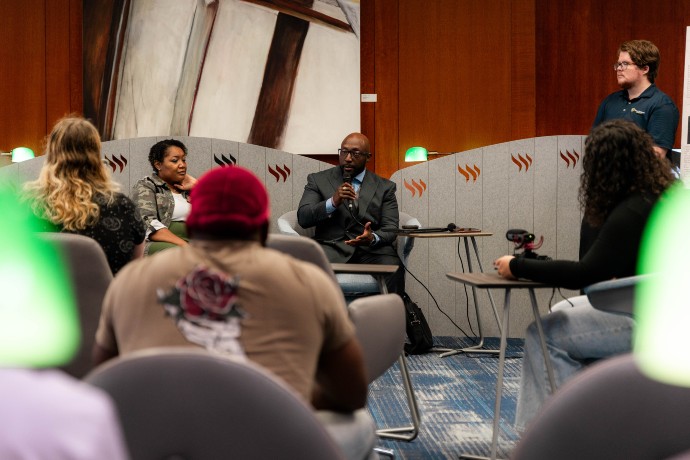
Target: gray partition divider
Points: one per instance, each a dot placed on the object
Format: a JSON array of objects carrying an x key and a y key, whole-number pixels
[
  {"x": 301, "y": 168},
  {"x": 279, "y": 183},
  {"x": 30, "y": 169},
  {"x": 9, "y": 174},
  {"x": 545, "y": 201},
  {"x": 546, "y": 193},
  {"x": 413, "y": 193},
  {"x": 520, "y": 184},
  {"x": 116, "y": 157},
  {"x": 498, "y": 168},
  {"x": 139, "y": 166},
  {"x": 223, "y": 153},
  {"x": 253, "y": 157},
  {"x": 520, "y": 215},
  {"x": 441, "y": 251},
  {"x": 570, "y": 155},
  {"x": 530, "y": 183}
]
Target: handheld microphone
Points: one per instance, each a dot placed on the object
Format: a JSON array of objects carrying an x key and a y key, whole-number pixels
[
  {"x": 451, "y": 227},
  {"x": 347, "y": 177}
]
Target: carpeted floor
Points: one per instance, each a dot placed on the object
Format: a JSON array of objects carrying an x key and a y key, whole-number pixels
[{"x": 456, "y": 400}]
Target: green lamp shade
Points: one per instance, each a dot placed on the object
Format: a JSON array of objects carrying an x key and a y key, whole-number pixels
[
  {"x": 662, "y": 302},
  {"x": 22, "y": 154},
  {"x": 38, "y": 320},
  {"x": 416, "y": 154}
]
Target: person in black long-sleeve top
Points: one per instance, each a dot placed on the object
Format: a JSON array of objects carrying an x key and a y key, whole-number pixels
[{"x": 622, "y": 179}]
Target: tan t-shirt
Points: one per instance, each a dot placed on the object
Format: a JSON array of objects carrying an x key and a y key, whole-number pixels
[{"x": 292, "y": 310}]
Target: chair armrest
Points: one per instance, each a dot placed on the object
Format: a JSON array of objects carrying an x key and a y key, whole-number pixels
[
  {"x": 405, "y": 244},
  {"x": 614, "y": 296},
  {"x": 286, "y": 228}
]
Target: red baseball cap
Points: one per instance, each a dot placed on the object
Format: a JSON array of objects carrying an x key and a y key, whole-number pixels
[{"x": 228, "y": 199}]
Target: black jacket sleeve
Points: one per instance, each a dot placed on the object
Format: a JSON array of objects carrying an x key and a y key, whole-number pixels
[{"x": 613, "y": 254}]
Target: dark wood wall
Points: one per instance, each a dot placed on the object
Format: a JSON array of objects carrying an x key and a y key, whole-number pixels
[
  {"x": 577, "y": 44},
  {"x": 450, "y": 75},
  {"x": 41, "y": 76}
]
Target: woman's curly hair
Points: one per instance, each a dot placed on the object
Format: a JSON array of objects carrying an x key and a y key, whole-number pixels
[
  {"x": 73, "y": 177},
  {"x": 619, "y": 161}
]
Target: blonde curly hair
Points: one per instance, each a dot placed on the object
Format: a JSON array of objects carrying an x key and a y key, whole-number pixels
[{"x": 73, "y": 176}]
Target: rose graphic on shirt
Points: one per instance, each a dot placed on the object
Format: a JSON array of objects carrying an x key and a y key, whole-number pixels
[{"x": 204, "y": 306}]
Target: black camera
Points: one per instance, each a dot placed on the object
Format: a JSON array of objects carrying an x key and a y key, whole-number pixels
[{"x": 524, "y": 241}]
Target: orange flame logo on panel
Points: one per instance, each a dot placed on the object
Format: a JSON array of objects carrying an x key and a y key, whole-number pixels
[
  {"x": 570, "y": 158},
  {"x": 279, "y": 172},
  {"x": 468, "y": 171},
  {"x": 520, "y": 161},
  {"x": 116, "y": 162},
  {"x": 415, "y": 187}
]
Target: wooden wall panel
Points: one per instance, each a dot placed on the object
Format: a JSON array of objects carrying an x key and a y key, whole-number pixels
[
  {"x": 57, "y": 59},
  {"x": 463, "y": 72},
  {"x": 42, "y": 74},
  {"x": 23, "y": 77},
  {"x": 523, "y": 70},
  {"x": 455, "y": 75},
  {"x": 577, "y": 44},
  {"x": 76, "y": 59},
  {"x": 386, "y": 84},
  {"x": 449, "y": 74},
  {"x": 367, "y": 59}
]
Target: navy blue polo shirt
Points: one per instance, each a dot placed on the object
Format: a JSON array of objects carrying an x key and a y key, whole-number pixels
[{"x": 652, "y": 111}]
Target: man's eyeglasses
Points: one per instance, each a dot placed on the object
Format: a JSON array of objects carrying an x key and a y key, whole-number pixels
[
  {"x": 356, "y": 154},
  {"x": 622, "y": 65}
]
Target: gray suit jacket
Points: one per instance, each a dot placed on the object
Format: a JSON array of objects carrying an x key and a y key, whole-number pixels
[{"x": 376, "y": 204}]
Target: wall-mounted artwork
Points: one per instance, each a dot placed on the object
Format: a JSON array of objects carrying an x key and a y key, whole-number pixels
[{"x": 277, "y": 73}]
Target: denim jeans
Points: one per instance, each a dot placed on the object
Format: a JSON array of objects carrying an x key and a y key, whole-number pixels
[{"x": 575, "y": 335}]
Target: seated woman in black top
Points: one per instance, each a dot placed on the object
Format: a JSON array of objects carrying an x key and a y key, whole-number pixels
[
  {"x": 75, "y": 194},
  {"x": 621, "y": 180}
]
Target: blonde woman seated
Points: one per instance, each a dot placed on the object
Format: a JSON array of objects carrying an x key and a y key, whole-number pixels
[
  {"x": 75, "y": 194},
  {"x": 162, "y": 197}
]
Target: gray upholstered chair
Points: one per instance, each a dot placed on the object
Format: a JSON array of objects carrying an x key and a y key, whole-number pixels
[
  {"x": 378, "y": 358},
  {"x": 614, "y": 296},
  {"x": 88, "y": 269},
  {"x": 368, "y": 314},
  {"x": 610, "y": 411},
  {"x": 302, "y": 248},
  {"x": 185, "y": 403},
  {"x": 353, "y": 286},
  {"x": 382, "y": 347}
]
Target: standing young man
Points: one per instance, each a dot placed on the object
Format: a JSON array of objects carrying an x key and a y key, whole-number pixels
[{"x": 639, "y": 100}]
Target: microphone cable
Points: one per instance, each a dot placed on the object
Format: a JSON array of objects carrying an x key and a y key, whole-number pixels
[
  {"x": 438, "y": 307},
  {"x": 467, "y": 297},
  {"x": 473, "y": 336}
]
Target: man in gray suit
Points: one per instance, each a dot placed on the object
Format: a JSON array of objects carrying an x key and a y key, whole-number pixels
[{"x": 355, "y": 212}]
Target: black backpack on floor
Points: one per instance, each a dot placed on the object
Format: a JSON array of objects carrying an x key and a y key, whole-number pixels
[{"x": 418, "y": 331}]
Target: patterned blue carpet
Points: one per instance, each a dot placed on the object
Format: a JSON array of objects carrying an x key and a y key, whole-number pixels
[{"x": 456, "y": 401}]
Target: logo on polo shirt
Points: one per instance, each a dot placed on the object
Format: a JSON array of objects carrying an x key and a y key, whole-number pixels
[{"x": 634, "y": 110}]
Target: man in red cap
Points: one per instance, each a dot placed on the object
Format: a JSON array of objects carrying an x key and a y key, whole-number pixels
[{"x": 228, "y": 293}]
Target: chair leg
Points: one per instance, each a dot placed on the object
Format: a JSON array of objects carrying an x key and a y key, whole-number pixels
[
  {"x": 411, "y": 430},
  {"x": 384, "y": 452}
]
